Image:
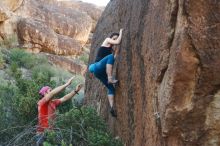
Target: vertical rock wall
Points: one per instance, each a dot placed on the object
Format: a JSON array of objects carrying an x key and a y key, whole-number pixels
[{"x": 169, "y": 64}]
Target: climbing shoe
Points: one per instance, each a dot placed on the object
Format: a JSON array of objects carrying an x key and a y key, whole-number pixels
[
  {"x": 112, "y": 81},
  {"x": 113, "y": 112}
]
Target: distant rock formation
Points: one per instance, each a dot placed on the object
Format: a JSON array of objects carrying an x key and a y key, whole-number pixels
[
  {"x": 12, "y": 5},
  {"x": 169, "y": 72},
  {"x": 4, "y": 14},
  {"x": 67, "y": 64},
  {"x": 35, "y": 35},
  {"x": 54, "y": 27},
  {"x": 93, "y": 11}
]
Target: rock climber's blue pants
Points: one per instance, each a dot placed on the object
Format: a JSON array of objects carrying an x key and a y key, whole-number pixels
[{"x": 99, "y": 70}]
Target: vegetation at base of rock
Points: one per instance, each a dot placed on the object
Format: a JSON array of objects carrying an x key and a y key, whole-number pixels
[
  {"x": 84, "y": 58},
  {"x": 24, "y": 74},
  {"x": 9, "y": 42},
  {"x": 2, "y": 61},
  {"x": 81, "y": 126}
]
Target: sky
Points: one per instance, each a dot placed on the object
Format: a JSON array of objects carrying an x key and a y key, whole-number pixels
[{"x": 97, "y": 2}]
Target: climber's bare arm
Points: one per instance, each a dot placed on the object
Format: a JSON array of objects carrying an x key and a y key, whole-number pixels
[
  {"x": 58, "y": 89},
  {"x": 109, "y": 41},
  {"x": 71, "y": 94}
]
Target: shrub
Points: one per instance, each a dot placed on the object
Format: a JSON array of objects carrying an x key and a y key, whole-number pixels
[
  {"x": 18, "y": 107},
  {"x": 84, "y": 58},
  {"x": 82, "y": 126},
  {"x": 9, "y": 42},
  {"x": 42, "y": 74},
  {"x": 22, "y": 59},
  {"x": 8, "y": 117},
  {"x": 19, "y": 95},
  {"x": 2, "y": 61}
]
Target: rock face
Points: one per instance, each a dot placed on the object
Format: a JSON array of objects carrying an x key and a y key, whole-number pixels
[
  {"x": 4, "y": 14},
  {"x": 48, "y": 26},
  {"x": 93, "y": 11},
  {"x": 168, "y": 70},
  {"x": 39, "y": 36},
  {"x": 67, "y": 64},
  {"x": 11, "y": 4}
]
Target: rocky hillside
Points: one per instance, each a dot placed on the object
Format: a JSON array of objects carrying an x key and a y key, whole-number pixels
[
  {"x": 49, "y": 26},
  {"x": 52, "y": 26},
  {"x": 168, "y": 70}
]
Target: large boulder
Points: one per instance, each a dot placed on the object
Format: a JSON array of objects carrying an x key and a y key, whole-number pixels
[
  {"x": 168, "y": 69},
  {"x": 36, "y": 35},
  {"x": 46, "y": 26},
  {"x": 56, "y": 30},
  {"x": 11, "y": 4},
  {"x": 4, "y": 14},
  {"x": 70, "y": 65},
  {"x": 6, "y": 17},
  {"x": 93, "y": 11}
]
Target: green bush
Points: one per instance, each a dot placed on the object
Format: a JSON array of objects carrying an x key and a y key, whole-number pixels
[
  {"x": 9, "y": 42},
  {"x": 82, "y": 126},
  {"x": 2, "y": 61},
  {"x": 8, "y": 117},
  {"x": 42, "y": 74},
  {"x": 99, "y": 138},
  {"x": 22, "y": 59},
  {"x": 84, "y": 58},
  {"x": 18, "y": 106},
  {"x": 19, "y": 95}
]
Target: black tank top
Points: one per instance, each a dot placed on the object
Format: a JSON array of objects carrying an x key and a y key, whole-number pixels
[{"x": 102, "y": 52}]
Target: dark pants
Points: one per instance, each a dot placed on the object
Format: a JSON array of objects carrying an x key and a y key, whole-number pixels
[
  {"x": 104, "y": 79},
  {"x": 99, "y": 70}
]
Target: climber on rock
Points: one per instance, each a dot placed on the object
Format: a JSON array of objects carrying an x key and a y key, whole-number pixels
[
  {"x": 103, "y": 71},
  {"x": 47, "y": 107},
  {"x": 107, "y": 45},
  {"x": 103, "y": 66}
]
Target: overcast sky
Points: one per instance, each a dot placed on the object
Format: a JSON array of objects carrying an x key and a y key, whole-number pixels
[{"x": 97, "y": 2}]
